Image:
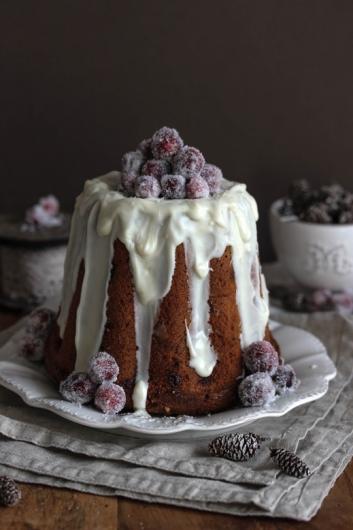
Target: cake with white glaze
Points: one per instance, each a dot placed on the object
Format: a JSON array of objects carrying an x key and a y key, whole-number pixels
[{"x": 172, "y": 289}]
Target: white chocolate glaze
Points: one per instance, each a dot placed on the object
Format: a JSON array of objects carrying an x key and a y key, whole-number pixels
[
  {"x": 145, "y": 315},
  {"x": 151, "y": 230},
  {"x": 202, "y": 356}
]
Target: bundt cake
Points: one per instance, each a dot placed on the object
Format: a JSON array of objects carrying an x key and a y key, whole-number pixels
[{"x": 172, "y": 289}]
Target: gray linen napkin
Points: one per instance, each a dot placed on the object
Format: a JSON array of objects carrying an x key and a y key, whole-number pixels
[{"x": 37, "y": 446}]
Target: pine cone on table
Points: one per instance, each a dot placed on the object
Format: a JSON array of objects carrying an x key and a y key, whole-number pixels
[
  {"x": 10, "y": 494},
  {"x": 237, "y": 446},
  {"x": 290, "y": 463}
]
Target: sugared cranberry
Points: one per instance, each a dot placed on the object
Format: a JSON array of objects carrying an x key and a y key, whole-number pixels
[
  {"x": 145, "y": 147},
  {"x": 284, "y": 379},
  {"x": 37, "y": 215},
  {"x": 128, "y": 183},
  {"x": 173, "y": 187},
  {"x": 50, "y": 204},
  {"x": 78, "y": 388},
  {"x": 147, "y": 187},
  {"x": 156, "y": 168},
  {"x": 166, "y": 143},
  {"x": 320, "y": 297},
  {"x": 256, "y": 390},
  {"x": 261, "y": 356},
  {"x": 32, "y": 347},
  {"x": 110, "y": 398},
  {"x": 188, "y": 162},
  {"x": 343, "y": 302},
  {"x": 320, "y": 300},
  {"x": 103, "y": 367},
  {"x": 317, "y": 213},
  {"x": 197, "y": 188},
  {"x": 131, "y": 162},
  {"x": 213, "y": 176},
  {"x": 40, "y": 321}
]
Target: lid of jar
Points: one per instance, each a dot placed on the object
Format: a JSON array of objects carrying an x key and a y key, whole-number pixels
[{"x": 14, "y": 232}]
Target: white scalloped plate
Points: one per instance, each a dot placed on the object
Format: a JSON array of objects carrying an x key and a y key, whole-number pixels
[{"x": 302, "y": 350}]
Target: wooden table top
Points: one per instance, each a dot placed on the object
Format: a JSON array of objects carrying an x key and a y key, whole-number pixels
[{"x": 46, "y": 508}]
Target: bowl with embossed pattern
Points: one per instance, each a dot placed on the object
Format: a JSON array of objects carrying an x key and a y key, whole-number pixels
[{"x": 315, "y": 255}]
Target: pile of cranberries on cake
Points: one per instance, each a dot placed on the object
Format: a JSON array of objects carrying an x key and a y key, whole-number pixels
[
  {"x": 265, "y": 376},
  {"x": 97, "y": 386},
  {"x": 162, "y": 166}
]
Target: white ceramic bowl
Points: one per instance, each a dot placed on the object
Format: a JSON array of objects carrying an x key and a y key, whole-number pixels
[{"x": 316, "y": 255}]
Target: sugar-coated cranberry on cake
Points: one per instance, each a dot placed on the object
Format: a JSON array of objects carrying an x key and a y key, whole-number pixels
[{"x": 162, "y": 275}]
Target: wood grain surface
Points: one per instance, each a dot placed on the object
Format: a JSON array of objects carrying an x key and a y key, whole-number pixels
[{"x": 45, "y": 508}]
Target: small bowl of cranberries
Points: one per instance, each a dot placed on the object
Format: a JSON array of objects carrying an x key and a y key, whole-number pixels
[{"x": 312, "y": 233}]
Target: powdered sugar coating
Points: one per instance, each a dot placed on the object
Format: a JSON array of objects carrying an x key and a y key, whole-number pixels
[
  {"x": 103, "y": 367},
  {"x": 131, "y": 162},
  {"x": 213, "y": 176},
  {"x": 161, "y": 156},
  {"x": 320, "y": 298},
  {"x": 188, "y": 162},
  {"x": 261, "y": 356},
  {"x": 156, "y": 168},
  {"x": 45, "y": 213},
  {"x": 197, "y": 188},
  {"x": 36, "y": 332},
  {"x": 256, "y": 390},
  {"x": 128, "y": 181},
  {"x": 147, "y": 187},
  {"x": 166, "y": 143},
  {"x": 50, "y": 204},
  {"x": 343, "y": 302},
  {"x": 284, "y": 379},
  {"x": 78, "y": 388},
  {"x": 32, "y": 347},
  {"x": 39, "y": 321},
  {"x": 145, "y": 147},
  {"x": 110, "y": 398},
  {"x": 173, "y": 187}
]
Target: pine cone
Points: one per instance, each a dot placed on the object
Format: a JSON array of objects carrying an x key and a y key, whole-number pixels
[
  {"x": 290, "y": 463},
  {"x": 237, "y": 447},
  {"x": 10, "y": 494}
]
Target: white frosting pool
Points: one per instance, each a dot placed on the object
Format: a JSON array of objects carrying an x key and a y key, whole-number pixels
[{"x": 151, "y": 229}]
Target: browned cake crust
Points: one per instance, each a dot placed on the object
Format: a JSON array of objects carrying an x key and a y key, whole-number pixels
[
  {"x": 119, "y": 335},
  {"x": 171, "y": 383},
  {"x": 174, "y": 387}
]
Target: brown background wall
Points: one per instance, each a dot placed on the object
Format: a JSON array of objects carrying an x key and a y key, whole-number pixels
[{"x": 263, "y": 87}]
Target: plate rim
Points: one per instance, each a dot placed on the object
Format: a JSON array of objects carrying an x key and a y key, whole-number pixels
[{"x": 255, "y": 413}]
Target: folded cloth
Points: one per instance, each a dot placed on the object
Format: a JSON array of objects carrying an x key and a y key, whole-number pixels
[{"x": 40, "y": 447}]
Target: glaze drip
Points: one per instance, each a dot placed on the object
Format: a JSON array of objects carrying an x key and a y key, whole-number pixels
[
  {"x": 202, "y": 357},
  {"x": 151, "y": 230},
  {"x": 145, "y": 315}
]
